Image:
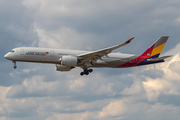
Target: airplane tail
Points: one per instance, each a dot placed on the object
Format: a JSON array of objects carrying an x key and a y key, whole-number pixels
[
  {"x": 151, "y": 55},
  {"x": 156, "y": 48}
]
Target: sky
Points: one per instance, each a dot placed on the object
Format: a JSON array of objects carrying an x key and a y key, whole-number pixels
[{"x": 39, "y": 92}]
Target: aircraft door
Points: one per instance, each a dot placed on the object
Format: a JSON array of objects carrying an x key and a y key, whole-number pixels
[{"x": 52, "y": 53}]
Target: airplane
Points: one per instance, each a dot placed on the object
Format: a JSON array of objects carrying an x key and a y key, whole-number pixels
[{"x": 65, "y": 60}]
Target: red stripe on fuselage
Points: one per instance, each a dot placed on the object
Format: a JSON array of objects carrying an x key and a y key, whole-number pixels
[{"x": 139, "y": 59}]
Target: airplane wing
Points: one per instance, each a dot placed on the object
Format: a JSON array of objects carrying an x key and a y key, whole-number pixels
[{"x": 95, "y": 55}]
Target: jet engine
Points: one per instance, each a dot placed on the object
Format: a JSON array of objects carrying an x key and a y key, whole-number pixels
[
  {"x": 63, "y": 68},
  {"x": 69, "y": 60}
]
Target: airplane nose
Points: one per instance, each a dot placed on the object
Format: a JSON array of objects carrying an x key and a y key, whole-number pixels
[{"x": 6, "y": 56}]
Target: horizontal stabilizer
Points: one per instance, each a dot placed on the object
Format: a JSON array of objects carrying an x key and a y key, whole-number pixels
[{"x": 160, "y": 58}]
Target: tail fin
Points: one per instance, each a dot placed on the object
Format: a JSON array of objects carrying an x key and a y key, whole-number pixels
[
  {"x": 155, "y": 49},
  {"x": 151, "y": 55}
]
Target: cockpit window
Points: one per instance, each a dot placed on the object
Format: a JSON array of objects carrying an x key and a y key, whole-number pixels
[{"x": 12, "y": 51}]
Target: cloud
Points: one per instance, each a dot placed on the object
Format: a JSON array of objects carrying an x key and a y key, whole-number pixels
[
  {"x": 167, "y": 84},
  {"x": 178, "y": 19},
  {"x": 37, "y": 91},
  {"x": 174, "y": 50},
  {"x": 60, "y": 38},
  {"x": 99, "y": 97},
  {"x": 15, "y": 27},
  {"x": 155, "y": 87},
  {"x": 110, "y": 111},
  {"x": 62, "y": 24},
  {"x": 136, "y": 88}
]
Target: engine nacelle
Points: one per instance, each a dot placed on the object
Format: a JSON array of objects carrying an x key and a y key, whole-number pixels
[
  {"x": 69, "y": 60},
  {"x": 63, "y": 68}
]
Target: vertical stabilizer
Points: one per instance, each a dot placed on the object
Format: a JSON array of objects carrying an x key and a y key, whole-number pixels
[
  {"x": 150, "y": 56},
  {"x": 155, "y": 49}
]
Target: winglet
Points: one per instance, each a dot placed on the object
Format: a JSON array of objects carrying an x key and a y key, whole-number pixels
[{"x": 129, "y": 40}]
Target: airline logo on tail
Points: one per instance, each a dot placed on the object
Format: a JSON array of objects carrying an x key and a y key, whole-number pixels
[{"x": 158, "y": 46}]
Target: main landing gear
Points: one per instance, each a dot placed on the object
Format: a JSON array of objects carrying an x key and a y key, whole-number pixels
[
  {"x": 14, "y": 64},
  {"x": 86, "y": 72}
]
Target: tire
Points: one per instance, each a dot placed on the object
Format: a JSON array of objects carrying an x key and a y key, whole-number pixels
[
  {"x": 82, "y": 73},
  {"x": 90, "y": 70},
  {"x": 87, "y": 73}
]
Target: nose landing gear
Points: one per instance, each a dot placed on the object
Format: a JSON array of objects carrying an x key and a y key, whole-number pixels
[
  {"x": 86, "y": 72},
  {"x": 14, "y": 64}
]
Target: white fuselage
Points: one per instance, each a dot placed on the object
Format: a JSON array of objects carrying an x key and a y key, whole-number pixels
[
  {"x": 53, "y": 56},
  {"x": 66, "y": 60}
]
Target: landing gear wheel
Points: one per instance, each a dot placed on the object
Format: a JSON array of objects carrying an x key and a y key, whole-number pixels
[
  {"x": 86, "y": 71},
  {"x": 82, "y": 73},
  {"x": 90, "y": 70},
  {"x": 14, "y": 64}
]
